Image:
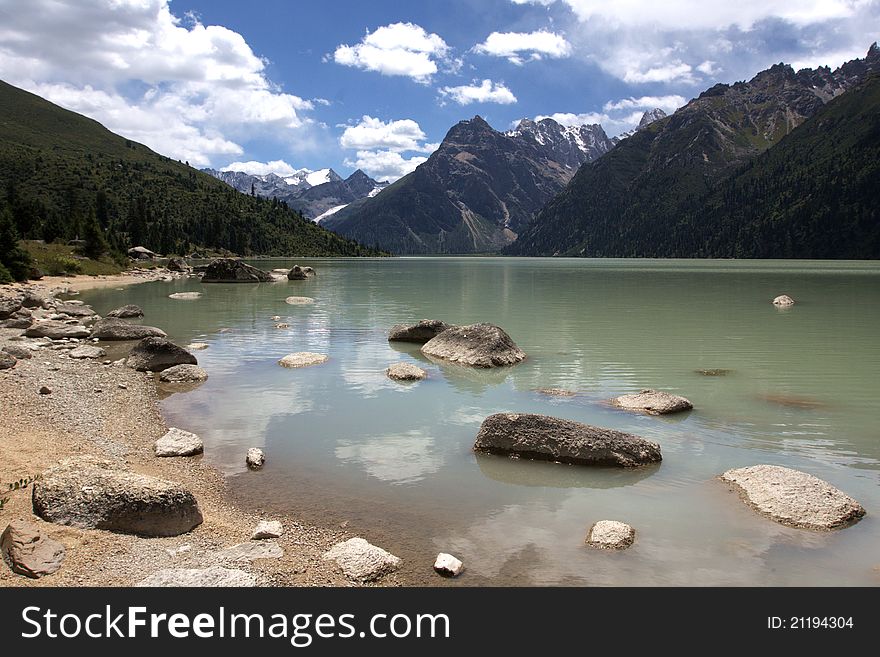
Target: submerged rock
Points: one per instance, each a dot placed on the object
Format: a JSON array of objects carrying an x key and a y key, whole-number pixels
[
  {"x": 542, "y": 437},
  {"x": 57, "y": 330},
  {"x": 178, "y": 442},
  {"x": 92, "y": 493},
  {"x": 197, "y": 346},
  {"x": 794, "y": 498},
  {"x": 652, "y": 402},
  {"x": 714, "y": 372},
  {"x": 183, "y": 374},
  {"x": 185, "y": 296},
  {"x": 555, "y": 392},
  {"x": 303, "y": 359},
  {"x": 157, "y": 354},
  {"x": 230, "y": 270},
  {"x": 362, "y": 561},
  {"x": 610, "y": 535},
  {"x": 128, "y": 311},
  {"x": 405, "y": 372},
  {"x": 118, "y": 329},
  {"x": 447, "y": 565},
  {"x": 29, "y": 551},
  {"x": 213, "y": 577},
  {"x": 425, "y": 330},
  {"x": 299, "y": 301},
  {"x": 477, "y": 345},
  {"x": 783, "y": 301}
]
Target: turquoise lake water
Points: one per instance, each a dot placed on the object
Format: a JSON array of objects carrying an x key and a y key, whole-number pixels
[{"x": 392, "y": 462}]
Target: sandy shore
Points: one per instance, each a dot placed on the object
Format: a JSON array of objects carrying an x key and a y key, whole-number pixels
[
  {"x": 80, "y": 283},
  {"x": 106, "y": 409}
]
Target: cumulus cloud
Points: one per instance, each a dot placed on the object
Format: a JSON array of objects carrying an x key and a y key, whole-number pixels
[
  {"x": 278, "y": 167},
  {"x": 385, "y": 165},
  {"x": 403, "y": 49},
  {"x": 518, "y": 47},
  {"x": 486, "y": 91},
  {"x": 187, "y": 90},
  {"x": 667, "y": 103},
  {"x": 374, "y": 134}
]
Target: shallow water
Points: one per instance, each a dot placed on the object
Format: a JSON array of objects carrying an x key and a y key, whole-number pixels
[{"x": 392, "y": 462}]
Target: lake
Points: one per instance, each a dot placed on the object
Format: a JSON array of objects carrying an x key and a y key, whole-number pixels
[{"x": 392, "y": 462}]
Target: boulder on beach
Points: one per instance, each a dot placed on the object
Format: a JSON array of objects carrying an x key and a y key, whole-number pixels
[
  {"x": 477, "y": 345},
  {"x": 213, "y": 577},
  {"x": 298, "y": 273},
  {"x": 183, "y": 374},
  {"x": 447, "y": 565},
  {"x": 74, "y": 310},
  {"x": 783, "y": 301},
  {"x": 7, "y": 361},
  {"x": 157, "y": 354},
  {"x": 267, "y": 529},
  {"x": 19, "y": 352},
  {"x": 30, "y": 552},
  {"x": 119, "y": 330},
  {"x": 87, "y": 351},
  {"x": 57, "y": 330},
  {"x": 420, "y": 333},
  {"x": 362, "y": 561},
  {"x": 9, "y": 306},
  {"x": 178, "y": 265},
  {"x": 16, "y": 322},
  {"x": 610, "y": 535},
  {"x": 126, "y": 312},
  {"x": 541, "y": 437},
  {"x": 303, "y": 359},
  {"x": 652, "y": 402},
  {"x": 177, "y": 442},
  {"x": 92, "y": 493},
  {"x": 405, "y": 372},
  {"x": 794, "y": 498},
  {"x": 185, "y": 296},
  {"x": 230, "y": 270},
  {"x": 255, "y": 459},
  {"x": 141, "y": 253}
]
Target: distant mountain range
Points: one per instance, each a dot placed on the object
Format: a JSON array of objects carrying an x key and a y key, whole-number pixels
[
  {"x": 315, "y": 194},
  {"x": 477, "y": 191},
  {"x": 784, "y": 165}
]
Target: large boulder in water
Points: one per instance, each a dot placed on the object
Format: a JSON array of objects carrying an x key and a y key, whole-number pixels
[
  {"x": 546, "y": 438},
  {"x": 298, "y": 273},
  {"x": 158, "y": 354},
  {"x": 118, "y": 329},
  {"x": 477, "y": 345},
  {"x": 230, "y": 270},
  {"x": 794, "y": 498},
  {"x": 92, "y": 493},
  {"x": 653, "y": 402},
  {"x": 177, "y": 264},
  {"x": 57, "y": 330},
  {"x": 425, "y": 330}
]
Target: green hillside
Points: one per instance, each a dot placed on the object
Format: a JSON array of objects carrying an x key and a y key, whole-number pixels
[{"x": 60, "y": 172}]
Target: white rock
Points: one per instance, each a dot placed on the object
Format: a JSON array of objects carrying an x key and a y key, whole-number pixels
[
  {"x": 178, "y": 442},
  {"x": 361, "y": 561},
  {"x": 447, "y": 565},
  {"x": 86, "y": 351},
  {"x": 303, "y": 359},
  {"x": 255, "y": 458},
  {"x": 299, "y": 301},
  {"x": 185, "y": 296},
  {"x": 197, "y": 346},
  {"x": 267, "y": 529},
  {"x": 783, "y": 301},
  {"x": 610, "y": 535},
  {"x": 405, "y": 372},
  {"x": 215, "y": 576}
]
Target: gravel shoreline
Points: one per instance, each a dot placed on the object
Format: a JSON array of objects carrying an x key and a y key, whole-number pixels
[{"x": 112, "y": 411}]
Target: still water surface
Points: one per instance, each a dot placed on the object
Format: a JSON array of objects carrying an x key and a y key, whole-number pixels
[{"x": 393, "y": 462}]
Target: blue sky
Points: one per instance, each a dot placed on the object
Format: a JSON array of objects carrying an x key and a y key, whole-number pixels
[{"x": 276, "y": 86}]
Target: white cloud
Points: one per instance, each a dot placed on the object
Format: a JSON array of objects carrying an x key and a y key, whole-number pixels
[
  {"x": 385, "y": 165},
  {"x": 189, "y": 91},
  {"x": 402, "y": 49},
  {"x": 516, "y": 46},
  {"x": 374, "y": 134},
  {"x": 667, "y": 103},
  {"x": 278, "y": 167},
  {"x": 619, "y": 115},
  {"x": 675, "y": 71},
  {"x": 485, "y": 92}
]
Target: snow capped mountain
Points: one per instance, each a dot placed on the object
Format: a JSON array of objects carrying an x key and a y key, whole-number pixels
[
  {"x": 647, "y": 119},
  {"x": 568, "y": 145},
  {"x": 305, "y": 178}
]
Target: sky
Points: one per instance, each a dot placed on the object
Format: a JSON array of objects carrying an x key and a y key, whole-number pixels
[{"x": 275, "y": 86}]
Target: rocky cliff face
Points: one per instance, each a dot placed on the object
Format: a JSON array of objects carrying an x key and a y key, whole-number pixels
[{"x": 477, "y": 191}]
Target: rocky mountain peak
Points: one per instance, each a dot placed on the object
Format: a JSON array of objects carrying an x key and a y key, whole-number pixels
[{"x": 650, "y": 116}]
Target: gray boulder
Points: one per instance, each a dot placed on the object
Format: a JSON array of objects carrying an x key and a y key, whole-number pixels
[
  {"x": 119, "y": 329},
  {"x": 652, "y": 402},
  {"x": 794, "y": 498},
  {"x": 7, "y": 361},
  {"x": 610, "y": 535},
  {"x": 19, "y": 352},
  {"x": 420, "y": 333},
  {"x": 157, "y": 354},
  {"x": 87, "y": 351},
  {"x": 267, "y": 529},
  {"x": 178, "y": 442},
  {"x": 178, "y": 265},
  {"x": 230, "y": 270},
  {"x": 783, "y": 301},
  {"x": 213, "y": 577},
  {"x": 29, "y": 551},
  {"x": 477, "y": 345},
  {"x": 57, "y": 330},
  {"x": 541, "y": 437},
  {"x": 9, "y": 306},
  {"x": 183, "y": 374},
  {"x": 361, "y": 561},
  {"x": 92, "y": 493},
  {"x": 34, "y": 300},
  {"x": 126, "y": 312},
  {"x": 405, "y": 372},
  {"x": 74, "y": 310},
  {"x": 298, "y": 273},
  {"x": 16, "y": 322}
]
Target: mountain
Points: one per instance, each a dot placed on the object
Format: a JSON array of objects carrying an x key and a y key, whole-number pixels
[
  {"x": 647, "y": 119},
  {"x": 312, "y": 193},
  {"x": 476, "y": 192},
  {"x": 61, "y": 172},
  {"x": 659, "y": 193}
]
